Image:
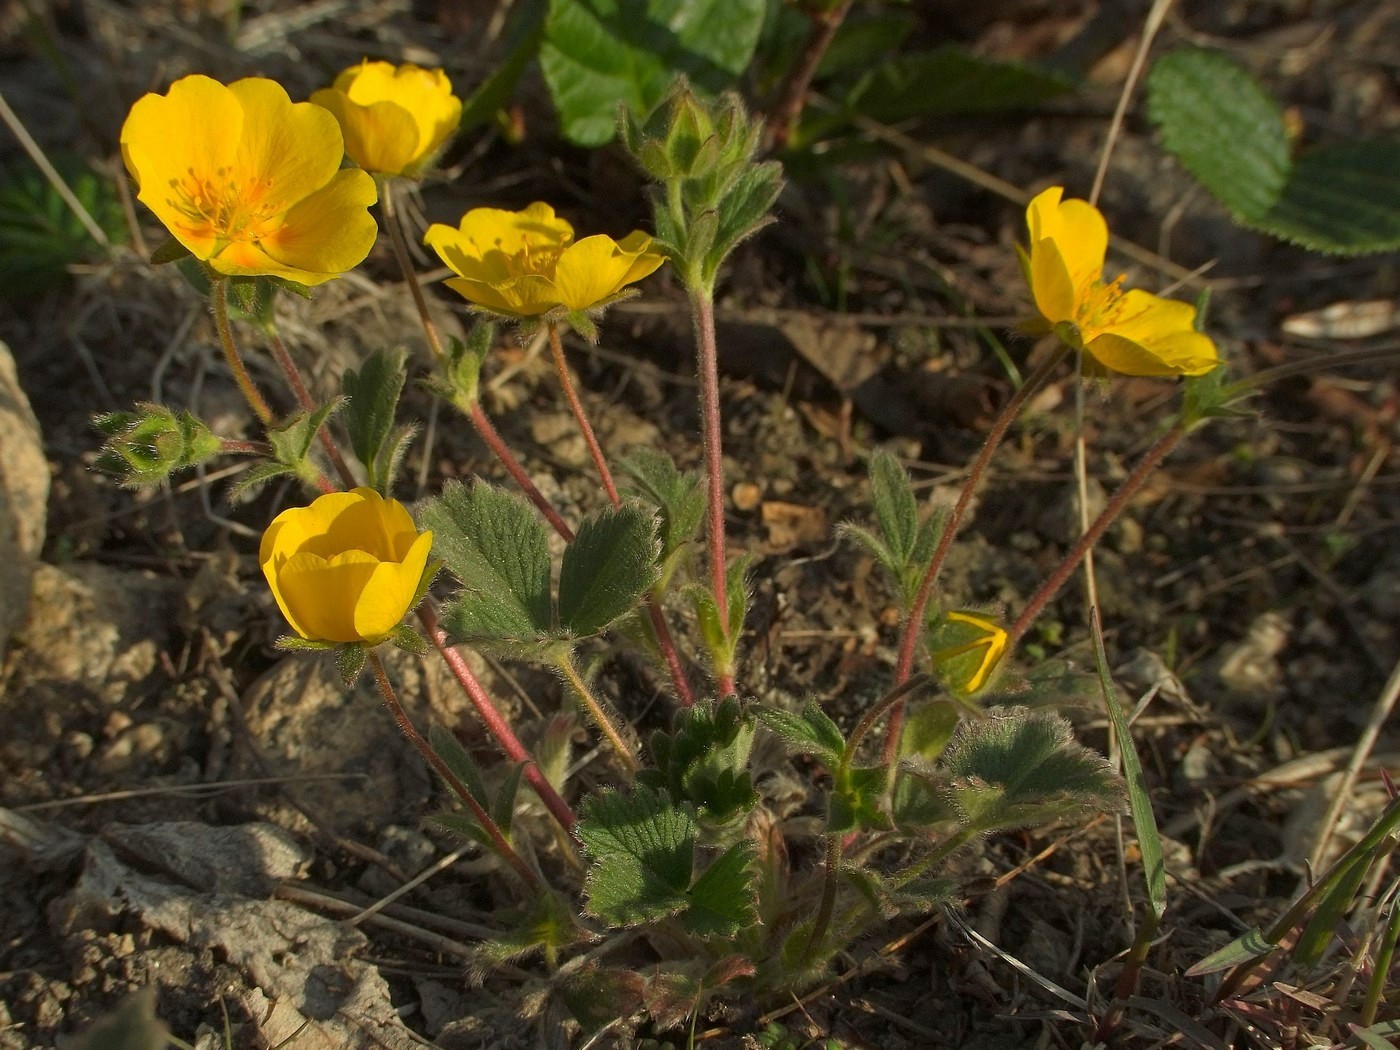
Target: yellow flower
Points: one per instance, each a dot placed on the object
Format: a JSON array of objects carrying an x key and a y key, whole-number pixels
[
  {"x": 395, "y": 118},
  {"x": 1133, "y": 332},
  {"x": 967, "y": 648},
  {"x": 347, "y": 568},
  {"x": 527, "y": 263},
  {"x": 248, "y": 181}
]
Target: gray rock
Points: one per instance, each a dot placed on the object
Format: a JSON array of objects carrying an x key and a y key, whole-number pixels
[{"x": 24, "y": 494}]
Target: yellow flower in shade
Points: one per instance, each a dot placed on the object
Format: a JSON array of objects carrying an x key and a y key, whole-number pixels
[
  {"x": 347, "y": 568},
  {"x": 966, "y": 649},
  {"x": 527, "y": 263},
  {"x": 1132, "y": 332},
  {"x": 395, "y": 118},
  {"x": 249, "y": 181}
]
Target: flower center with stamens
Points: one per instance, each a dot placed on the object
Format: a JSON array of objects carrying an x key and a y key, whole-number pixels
[
  {"x": 1100, "y": 307},
  {"x": 225, "y": 206}
]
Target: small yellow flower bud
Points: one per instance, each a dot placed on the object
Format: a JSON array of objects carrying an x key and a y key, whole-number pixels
[{"x": 396, "y": 119}]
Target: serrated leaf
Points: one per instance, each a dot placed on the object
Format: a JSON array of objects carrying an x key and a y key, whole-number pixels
[
  {"x": 703, "y": 760},
  {"x": 1342, "y": 198},
  {"x": 448, "y": 748},
  {"x": 678, "y": 496},
  {"x": 598, "y": 996},
  {"x": 896, "y": 509},
  {"x": 373, "y": 394},
  {"x": 349, "y": 662},
  {"x": 642, "y": 848},
  {"x": 607, "y": 569},
  {"x": 599, "y": 53},
  {"x": 723, "y": 898},
  {"x": 1222, "y": 126},
  {"x": 503, "y": 807},
  {"x": 1018, "y": 768},
  {"x": 810, "y": 733},
  {"x": 497, "y": 547}
]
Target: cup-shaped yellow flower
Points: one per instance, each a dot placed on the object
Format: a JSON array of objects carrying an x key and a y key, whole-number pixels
[
  {"x": 347, "y": 568},
  {"x": 527, "y": 263},
  {"x": 249, "y": 181},
  {"x": 395, "y": 118},
  {"x": 1132, "y": 332}
]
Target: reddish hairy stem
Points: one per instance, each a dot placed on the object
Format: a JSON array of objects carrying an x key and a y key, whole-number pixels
[
  {"x": 495, "y": 724},
  {"x": 703, "y": 307},
  {"x": 493, "y": 831},
  {"x": 799, "y": 82},
  {"x": 561, "y": 368},
  {"x": 1126, "y": 491},
  {"x": 486, "y": 430},
  {"x": 913, "y": 624}
]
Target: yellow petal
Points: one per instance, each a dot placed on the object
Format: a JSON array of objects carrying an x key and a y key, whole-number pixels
[
  {"x": 645, "y": 261},
  {"x": 424, "y": 94},
  {"x": 389, "y": 594},
  {"x": 1051, "y": 285},
  {"x": 287, "y": 151},
  {"x": 527, "y": 296},
  {"x": 462, "y": 256},
  {"x": 323, "y": 594},
  {"x": 382, "y": 137},
  {"x": 1147, "y": 335},
  {"x": 193, "y": 129},
  {"x": 329, "y": 232},
  {"x": 1078, "y": 230},
  {"x": 590, "y": 271}
]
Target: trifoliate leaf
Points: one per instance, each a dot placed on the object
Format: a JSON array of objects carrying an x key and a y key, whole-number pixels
[
  {"x": 642, "y": 852},
  {"x": 723, "y": 899},
  {"x": 607, "y": 569}
]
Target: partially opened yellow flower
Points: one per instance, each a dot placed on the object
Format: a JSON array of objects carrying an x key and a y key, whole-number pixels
[
  {"x": 249, "y": 181},
  {"x": 395, "y": 118},
  {"x": 966, "y": 648},
  {"x": 347, "y": 568},
  {"x": 527, "y": 263},
  {"x": 1132, "y": 332}
]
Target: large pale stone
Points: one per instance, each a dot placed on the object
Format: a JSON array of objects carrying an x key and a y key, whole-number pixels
[{"x": 24, "y": 494}]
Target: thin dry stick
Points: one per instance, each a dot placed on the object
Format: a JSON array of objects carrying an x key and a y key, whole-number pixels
[
  {"x": 36, "y": 154},
  {"x": 410, "y": 275},
  {"x": 502, "y": 846},
  {"x": 799, "y": 81},
  {"x": 1380, "y": 713},
  {"x": 1155, "y": 17}
]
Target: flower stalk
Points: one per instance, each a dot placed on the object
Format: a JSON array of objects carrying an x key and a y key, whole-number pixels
[
  {"x": 303, "y": 396},
  {"x": 597, "y": 712},
  {"x": 500, "y": 843},
  {"x": 218, "y": 301}
]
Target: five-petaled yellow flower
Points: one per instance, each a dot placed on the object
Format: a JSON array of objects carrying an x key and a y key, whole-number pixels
[
  {"x": 527, "y": 263},
  {"x": 347, "y": 568},
  {"x": 395, "y": 118},
  {"x": 1132, "y": 332},
  {"x": 249, "y": 181}
]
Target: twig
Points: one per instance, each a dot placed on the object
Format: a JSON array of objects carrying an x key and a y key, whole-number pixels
[{"x": 36, "y": 154}]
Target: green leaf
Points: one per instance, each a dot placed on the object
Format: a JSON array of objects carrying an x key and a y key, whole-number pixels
[
  {"x": 350, "y": 661},
  {"x": 526, "y": 30},
  {"x": 463, "y": 825},
  {"x": 678, "y": 497},
  {"x": 257, "y": 477},
  {"x": 642, "y": 849},
  {"x": 896, "y": 509},
  {"x": 409, "y": 640},
  {"x": 1139, "y": 797},
  {"x": 1017, "y": 768},
  {"x": 495, "y": 544},
  {"x": 1332, "y": 908},
  {"x": 856, "y": 800},
  {"x": 598, "y": 996},
  {"x": 892, "y": 900},
  {"x": 291, "y": 442},
  {"x": 1342, "y": 198},
  {"x": 1250, "y": 945},
  {"x": 599, "y": 53},
  {"x": 723, "y": 899},
  {"x": 607, "y": 569},
  {"x": 168, "y": 252},
  {"x": 863, "y": 42},
  {"x": 949, "y": 80},
  {"x": 810, "y": 733},
  {"x": 703, "y": 760},
  {"x": 1222, "y": 126},
  {"x": 373, "y": 394},
  {"x": 503, "y": 807},
  {"x": 448, "y": 748}
]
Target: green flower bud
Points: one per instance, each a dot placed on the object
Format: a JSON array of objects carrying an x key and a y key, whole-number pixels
[
  {"x": 147, "y": 446},
  {"x": 966, "y": 649}
]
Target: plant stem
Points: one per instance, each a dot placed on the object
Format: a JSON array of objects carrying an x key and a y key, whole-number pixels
[
  {"x": 596, "y": 711},
  {"x": 399, "y": 242},
  {"x": 218, "y": 299},
  {"x": 303, "y": 396},
  {"x": 664, "y": 641},
  {"x": 703, "y": 308},
  {"x": 895, "y": 696},
  {"x": 1126, "y": 491},
  {"x": 235, "y": 447},
  {"x": 799, "y": 81},
  {"x": 561, "y": 368},
  {"x": 495, "y": 724},
  {"x": 913, "y": 624},
  {"x": 498, "y": 840},
  {"x": 486, "y": 430},
  {"x": 830, "y": 877}
]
